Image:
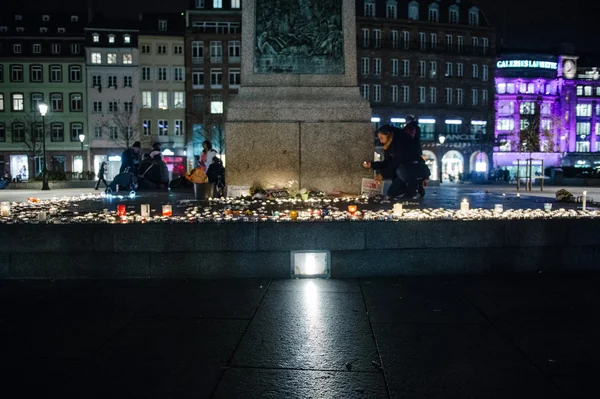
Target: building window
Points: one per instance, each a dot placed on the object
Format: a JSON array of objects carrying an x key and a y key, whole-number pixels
[
  {"x": 16, "y": 73},
  {"x": 216, "y": 52},
  {"x": 394, "y": 94},
  {"x": 199, "y": 3},
  {"x": 146, "y": 49},
  {"x": 56, "y": 73},
  {"x": 76, "y": 130},
  {"x": 395, "y": 67},
  {"x": 1, "y": 102},
  {"x": 506, "y": 107},
  {"x": 235, "y": 77},
  {"x": 197, "y": 52},
  {"x": 58, "y": 132},
  {"x": 527, "y": 108},
  {"x": 147, "y": 127},
  {"x": 96, "y": 58},
  {"x": 485, "y": 44},
  {"x": 584, "y": 109},
  {"x": 113, "y": 132},
  {"x": 97, "y": 132},
  {"x": 395, "y": 39},
  {"x": 56, "y": 100},
  {"x": 74, "y": 18},
  {"x": 2, "y": 132},
  {"x": 433, "y": 40},
  {"x": 36, "y": 73},
  {"x": 17, "y": 102},
  {"x": 377, "y": 34},
  {"x": 197, "y": 103},
  {"x": 449, "y": 68},
  {"x": 405, "y": 67},
  {"x": 459, "y": 96},
  {"x": 422, "y": 95},
  {"x": 113, "y": 106},
  {"x": 112, "y": 81},
  {"x": 406, "y": 39},
  {"x": 449, "y": 42},
  {"x": 162, "y": 25},
  {"x": 474, "y": 16},
  {"x": 179, "y": 99},
  {"x": 127, "y": 81},
  {"x": 17, "y": 48},
  {"x": 460, "y": 70},
  {"x": 95, "y": 38},
  {"x": 475, "y": 96},
  {"x": 127, "y": 59},
  {"x": 365, "y": 65},
  {"x": 484, "y": 73},
  {"x": 177, "y": 49},
  {"x": 216, "y": 107},
  {"x": 76, "y": 102},
  {"x": 126, "y": 39},
  {"x": 178, "y": 74},
  {"x": 163, "y": 100},
  {"x": 377, "y": 66},
  {"x": 364, "y": 91},
  {"x": 501, "y": 88},
  {"x": 484, "y": 97},
  {"x": 178, "y": 131},
  {"x": 365, "y": 36},
  {"x": 36, "y": 100},
  {"x": 422, "y": 69},
  {"x": 128, "y": 106},
  {"x": 216, "y": 78},
  {"x": 475, "y": 71},
  {"x": 413, "y": 11},
  {"x": 97, "y": 106},
  {"x": 146, "y": 73},
  {"x": 96, "y": 81},
  {"x": 448, "y": 96},
  {"x": 163, "y": 127},
  {"x": 111, "y": 39},
  {"x": 587, "y": 90},
  {"x": 405, "y": 94},
  {"x": 369, "y": 8},
  {"x": 146, "y": 99},
  {"x": 433, "y": 95},
  {"x": 236, "y": 4},
  {"x": 75, "y": 73},
  {"x": 453, "y": 17},
  {"x": 217, "y": 3},
  {"x": 162, "y": 73},
  {"x": 505, "y": 124},
  {"x": 198, "y": 79},
  {"x": 459, "y": 44},
  {"x": 423, "y": 40},
  {"x": 377, "y": 93},
  {"x": 18, "y": 132},
  {"x": 37, "y": 48},
  {"x": 453, "y": 126},
  {"x": 111, "y": 58},
  {"x": 434, "y": 13},
  {"x": 392, "y": 11},
  {"x": 475, "y": 44},
  {"x": 432, "y": 69}
]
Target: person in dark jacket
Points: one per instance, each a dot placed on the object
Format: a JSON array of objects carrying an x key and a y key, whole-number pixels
[
  {"x": 154, "y": 172},
  {"x": 131, "y": 158},
  {"x": 101, "y": 176},
  {"x": 399, "y": 157}
]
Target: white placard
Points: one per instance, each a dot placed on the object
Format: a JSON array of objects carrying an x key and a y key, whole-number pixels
[
  {"x": 238, "y": 191},
  {"x": 372, "y": 187}
]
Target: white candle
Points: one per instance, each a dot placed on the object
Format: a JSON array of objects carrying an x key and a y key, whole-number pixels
[
  {"x": 464, "y": 206},
  {"x": 5, "y": 209},
  {"x": 145, "y": 211},
  {"x": 498, "y": 208},
  {"x": 584, "y": 200},
  {"x": 397, "y": 211},
  {"x": 42, "y": 216}
]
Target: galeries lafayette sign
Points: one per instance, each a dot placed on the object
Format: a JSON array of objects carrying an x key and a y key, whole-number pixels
[{"x": 527, "y": 64}]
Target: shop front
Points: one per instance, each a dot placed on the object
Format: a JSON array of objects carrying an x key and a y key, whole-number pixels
[
  {"x": 517, "y": 162},
  {"x": 19, "y": 167}
]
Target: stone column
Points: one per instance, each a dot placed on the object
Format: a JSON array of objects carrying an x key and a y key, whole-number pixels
[{"x": 593, "y": 132}]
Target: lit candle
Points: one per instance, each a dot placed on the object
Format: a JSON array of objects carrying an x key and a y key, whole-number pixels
[
  {"x": 167, "y": 210},
  {"x": 293, "y": 215},
  {"x": 145, "y": 211},
  {"x": 397, "y": 211},
  {"x": 121, "y": 210},
  {"x": 352, "y": 209},
  {"x": 548, "y": 207},
  {"x": 5, "y": 209},
  {"x": 584, "y": 200},
  {"x": 498, "y": 208},
  {"x": 464, "y": 206}
]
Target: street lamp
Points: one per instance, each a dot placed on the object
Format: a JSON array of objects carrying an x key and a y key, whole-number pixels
[
  {"x": 43, "y": 108},
  {"x": 82, "y": 139},
  {"x": 442, "y": 140}
]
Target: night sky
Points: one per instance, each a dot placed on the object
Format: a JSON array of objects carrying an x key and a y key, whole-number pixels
[{"x": 532, "y": 24}]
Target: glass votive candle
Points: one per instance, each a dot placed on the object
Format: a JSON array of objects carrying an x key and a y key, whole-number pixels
[
  {"x": 498, "y": 208},
  {"x": 167, "y": 210},
  {"x": 42, "y": 216},
  {"x": 145, "y": 211},
  {"x": 547, "y": 206},
  {"x": 5, "y": 209},
  {"x": 121, "y": 210},
  {"x": 293, "y": 215}
]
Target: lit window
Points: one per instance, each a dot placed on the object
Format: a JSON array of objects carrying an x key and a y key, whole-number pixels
[
  {"x": 17, "y": 102},
  {"x": 235, "y": 4},
  {"x": 163, "y": 100},
  {"x": 413, "y": 11},
  {"x": 147, "y": 99},
  {"x": 179, "y": 99},
  {"x": 505, "y": 124},
  {"x": 584, "y": 109},
  {"x": 216, "y": 107},
  {"x": 96, "y": 58},
  {"x": 111, "y": 38},
  {"x": 126, "y": 39},
  {"x": 111, "y": 58},
  {"x": 217, "y": 3},
  {"x": 127, "y": 59},
  {"x": 96, "y": 37}
]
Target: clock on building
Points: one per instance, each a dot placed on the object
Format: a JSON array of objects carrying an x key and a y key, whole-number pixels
[{"x": 569, "y": 69}]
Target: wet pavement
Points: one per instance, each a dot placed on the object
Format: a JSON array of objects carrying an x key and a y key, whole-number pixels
[{"x": 519, "y": 336}]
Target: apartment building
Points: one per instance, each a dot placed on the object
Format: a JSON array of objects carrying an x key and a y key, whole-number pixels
[{"x": 42, "y": 61}]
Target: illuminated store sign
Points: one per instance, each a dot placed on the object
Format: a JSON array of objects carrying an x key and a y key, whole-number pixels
[{"x": 527, "y": 64}]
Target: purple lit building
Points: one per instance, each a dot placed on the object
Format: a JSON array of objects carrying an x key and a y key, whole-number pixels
[{"x": 551, "y": 92}]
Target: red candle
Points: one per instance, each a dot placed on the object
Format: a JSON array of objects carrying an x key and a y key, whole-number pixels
[
  {"x": 352, "y": 209},
  {"x": 121, "y": 210}
]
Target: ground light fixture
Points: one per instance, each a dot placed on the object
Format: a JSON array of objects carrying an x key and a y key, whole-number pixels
[{"x": 310, "y": 264}]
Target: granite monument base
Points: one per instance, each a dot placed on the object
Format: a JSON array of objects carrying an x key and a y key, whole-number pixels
[{"x": 316, "y": 136}]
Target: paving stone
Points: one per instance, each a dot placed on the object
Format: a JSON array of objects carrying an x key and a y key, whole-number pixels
[
  {"x": 444, "y": 361},
  {"x": 349, "y": 285},
  {"x": 300, "y": 384}
]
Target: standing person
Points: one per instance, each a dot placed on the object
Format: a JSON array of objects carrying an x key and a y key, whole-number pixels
[
  {"x": 101, "y": 176},
  {"x": 157, "y": 147},
  {"x": 413, "y": 130},
  {"x": 131, "y": 158},
  {"x": 206, "y": 159}
]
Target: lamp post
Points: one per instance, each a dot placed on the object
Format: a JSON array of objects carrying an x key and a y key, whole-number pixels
[
  {"x": 442, "y": 140},
  {"x": 82, "y": 139},
  {"x": 43, "y": 108}
]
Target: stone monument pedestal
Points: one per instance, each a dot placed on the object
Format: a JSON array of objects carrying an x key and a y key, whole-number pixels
[{"x": 314, "y": 128}]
